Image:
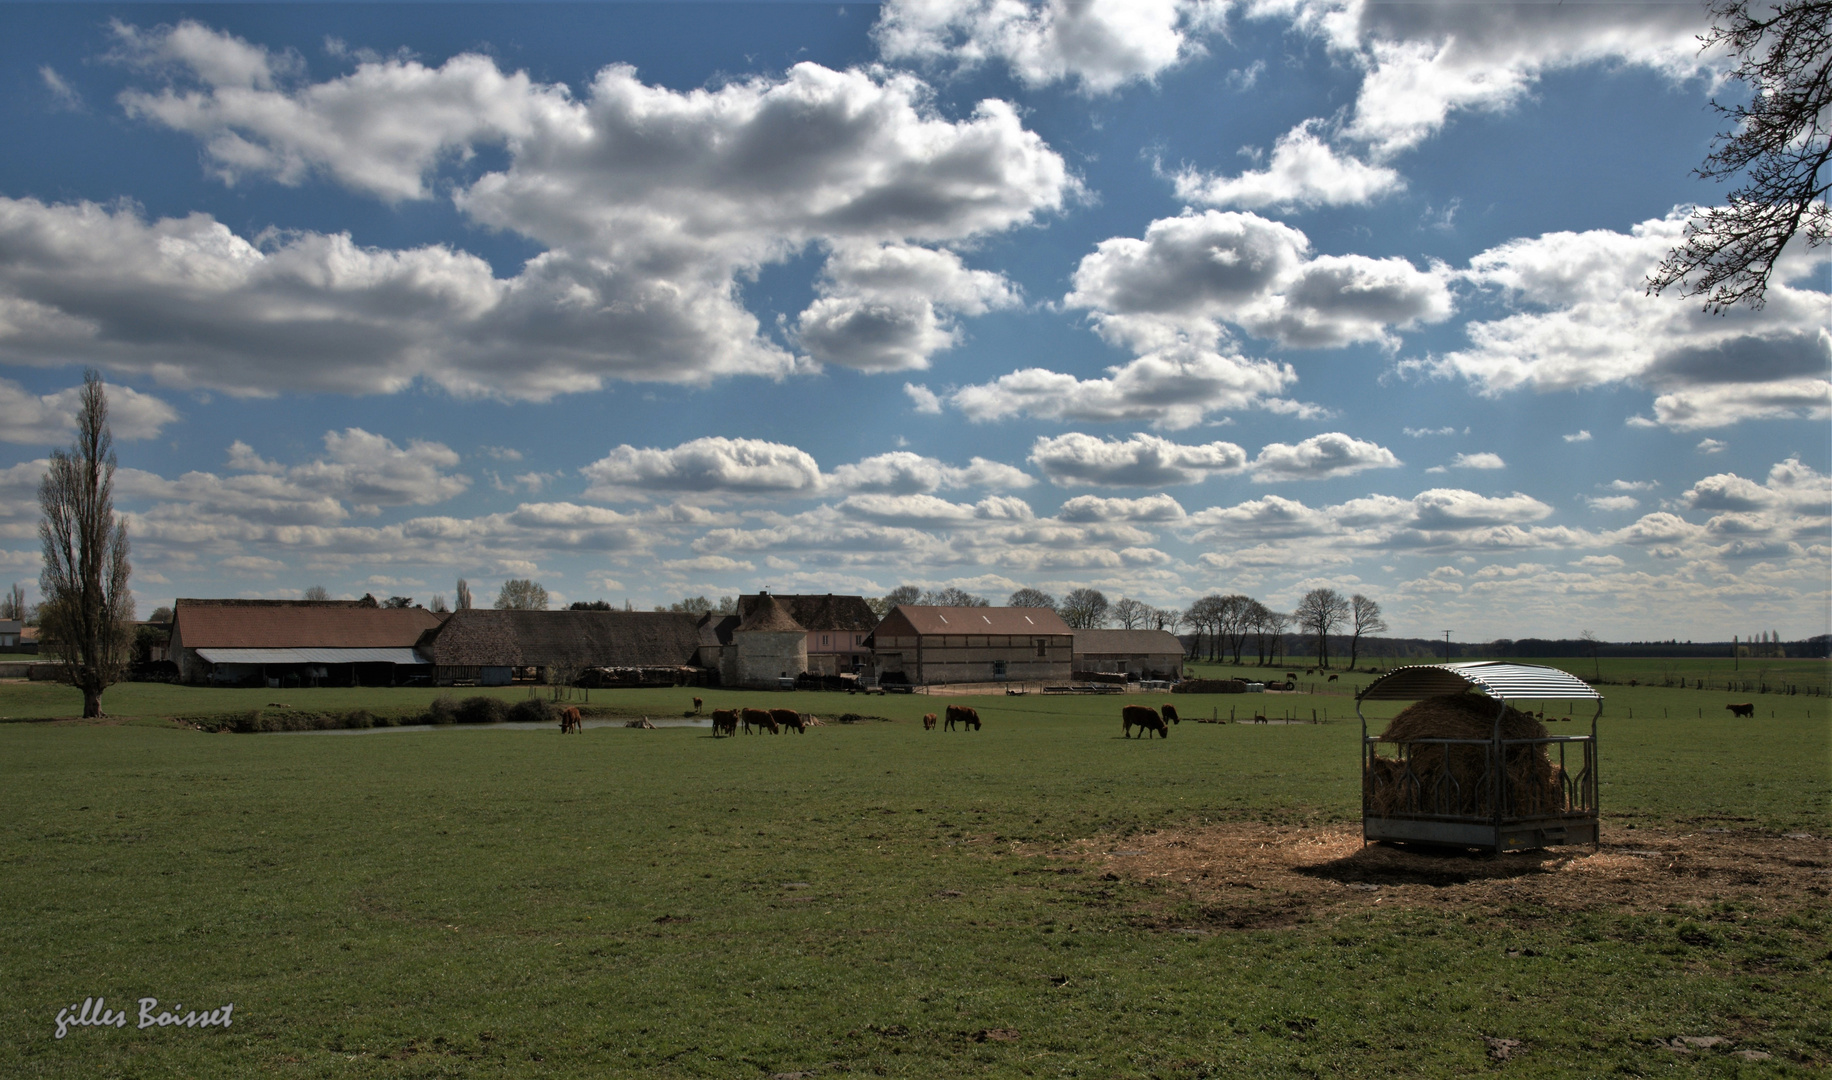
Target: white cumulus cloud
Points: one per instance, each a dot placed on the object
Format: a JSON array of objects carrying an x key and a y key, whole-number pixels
[
  {"x": 1099, "y": 44},
  {"x": 1141, "y": 461},
  {"x": 1321, "y": 457}
]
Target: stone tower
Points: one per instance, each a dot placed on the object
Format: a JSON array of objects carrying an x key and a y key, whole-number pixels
[{"x": 769, "y": 644}]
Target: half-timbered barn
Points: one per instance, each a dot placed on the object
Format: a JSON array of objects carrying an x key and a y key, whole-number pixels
[
  {"x": 1142, "y": 654},
  {"x": 926, "y": 645}
]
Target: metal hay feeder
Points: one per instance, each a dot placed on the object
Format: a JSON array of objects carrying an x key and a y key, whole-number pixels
[{"x": 1436, "y": 809}]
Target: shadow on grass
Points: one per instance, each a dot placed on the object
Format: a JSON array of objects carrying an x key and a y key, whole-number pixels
[{"x": 1417, "y": 864}]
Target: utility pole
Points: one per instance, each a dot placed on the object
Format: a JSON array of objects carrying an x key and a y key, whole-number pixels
[{"x": 1447, "y": 646}]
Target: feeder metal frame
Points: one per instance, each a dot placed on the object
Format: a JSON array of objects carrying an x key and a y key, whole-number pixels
[{"x": 1442, "y": 822}]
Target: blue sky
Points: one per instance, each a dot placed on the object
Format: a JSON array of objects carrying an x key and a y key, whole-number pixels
[{"x": 1164, "y": 298}]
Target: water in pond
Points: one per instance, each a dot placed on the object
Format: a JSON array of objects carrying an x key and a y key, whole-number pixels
[{"x": 530, "y": 725}]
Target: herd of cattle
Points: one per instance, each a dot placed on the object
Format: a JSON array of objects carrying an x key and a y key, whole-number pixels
[{"x": 731, "y": 721}]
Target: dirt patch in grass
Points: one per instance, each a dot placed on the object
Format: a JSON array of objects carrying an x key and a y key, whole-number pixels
[{"x": 1253, "y": 876}]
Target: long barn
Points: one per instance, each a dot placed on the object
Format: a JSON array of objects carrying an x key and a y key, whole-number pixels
[
  {"x": 485, "y": 646},
  {"x": 926, "y": 645}
]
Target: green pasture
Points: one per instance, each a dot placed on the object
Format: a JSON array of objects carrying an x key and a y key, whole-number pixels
[
  {"x": 867, "y": 898},
  {"x": 1611, "y": 673}
]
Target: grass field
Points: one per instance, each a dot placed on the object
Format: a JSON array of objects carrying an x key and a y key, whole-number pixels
[{"x": 872, "y": 898}]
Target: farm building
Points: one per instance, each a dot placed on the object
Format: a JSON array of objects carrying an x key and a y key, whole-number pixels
[
  {"x": 9, "y": 634},
  {"x": 768, "y": 645},
  {"x": 925, "y": 645},
  {"x": 837, "y": 627},
  {"x": 297, "y": 642},
  {"x": 1146, "y": 654},
  {"x": 484, "y": 646}
]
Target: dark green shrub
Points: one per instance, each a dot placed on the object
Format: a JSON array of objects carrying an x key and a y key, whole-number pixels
[
  {"x": 482, "y": 710},
  {"x": 443, "y": 710},
  {"x": 534, "y": 710}
]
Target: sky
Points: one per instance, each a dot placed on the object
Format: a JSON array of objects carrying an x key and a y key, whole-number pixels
[{"x": 1163, "y": 298}]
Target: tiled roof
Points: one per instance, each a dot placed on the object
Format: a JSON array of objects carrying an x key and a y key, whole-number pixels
[
  {"x": 1126, "y": 643},
  {"x": 296, "y": 624},
  {"x": 483, "y": 637},
  {"x": 978, "y": 620},
  {"x": 822, "y": 612},
  {"x": 766, "y": 614}
]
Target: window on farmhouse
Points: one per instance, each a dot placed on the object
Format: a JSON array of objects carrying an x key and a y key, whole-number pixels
[
  {"x": 998, "y": 668},
  {"x": 1041, "y": 648}
]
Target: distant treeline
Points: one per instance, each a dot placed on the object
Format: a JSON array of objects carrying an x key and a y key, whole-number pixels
[
  {"x": 1297, "y": 646},
  {"x": 1567, "y": 648}
]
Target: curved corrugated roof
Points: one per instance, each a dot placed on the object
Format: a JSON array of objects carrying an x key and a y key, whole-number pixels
[{"x": 1495, "y": 678}]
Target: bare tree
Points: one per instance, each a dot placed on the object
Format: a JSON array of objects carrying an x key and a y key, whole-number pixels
[
  {"x": 521, "y": 594},
  {"x": 1083, "y": 609},
  {"x": 1031, "y": 598},
  {"x": 1131, "y": 614},
  {"x": 692, "y": 605},
  {"x": 1319, "y": 613},
  {"x": 1233, "y": 621},
  {"x": 437, "y": 604},
  {"x": 1277, "y": 622},
  {"x": 1263, "y": 623},
  {"x": 728, "y": 605},
  {"x": 315, "y": 592},
  {"x": 1778, "y": 144},
  {"x": 1204, "y": 616},
  {"x": 1592, "y": 644},
  {"x": 1364, "y": 618},
  {"x": 1165, "y": 618},
  {"x": 902, "y": 594},
  {"x": 88, "y": 609},
  {"x": 12, "y": 605},
  {"x": 396, "y": 603},
  {"x": 953, "y": 597},
  {"x": 464, "y": 595}
]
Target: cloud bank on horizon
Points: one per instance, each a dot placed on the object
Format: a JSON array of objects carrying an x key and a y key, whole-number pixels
[{"x": 1163, "y": 298}]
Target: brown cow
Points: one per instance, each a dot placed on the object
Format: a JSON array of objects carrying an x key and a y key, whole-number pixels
[
  {"x": 697, "y": 706},
  {"x": 759, "y": 719},
  {"x": 1260, "y": 719},
  {"x": 1332, "y": 678},
  {"x": 725, "y": 722},
  {"x": 963, "y": 715},
  {"x": 788, "y": 718},
  {"x": 1169, "y": 712},
  {"x": 1291, "y": 674},
  {"x": 928, "y": 721},
  {"x": 1143, "y": 717},
  {"x": 571, "y": 721},
  {"x": 1747, "y": 709}
]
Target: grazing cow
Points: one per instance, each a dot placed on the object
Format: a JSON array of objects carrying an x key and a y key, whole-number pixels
[
  {"x": 1310, "y": 671},
  {"x": 964, "y": 716},
  {"x": 725, "y": 722},
  {"x": 1748, "y": 709},
  {"x": 1291, "y": 674},
  {"x": 571, "y": 721},
  {"x": 759, "y": 719},
  {"x": 697, "y": 706},
  {"x": 1332, "y": 678},
  {"x": 1260, "y": 719},
  {"x": 1143, "y": 717},
  {"x": 928, "y": 721},
  {"x": 788, "y": 718},
  {"x": 1169, "y": 712}
]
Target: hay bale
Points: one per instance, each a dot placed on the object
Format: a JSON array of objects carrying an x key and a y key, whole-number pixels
[{"x": 1453, "y": 779}]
